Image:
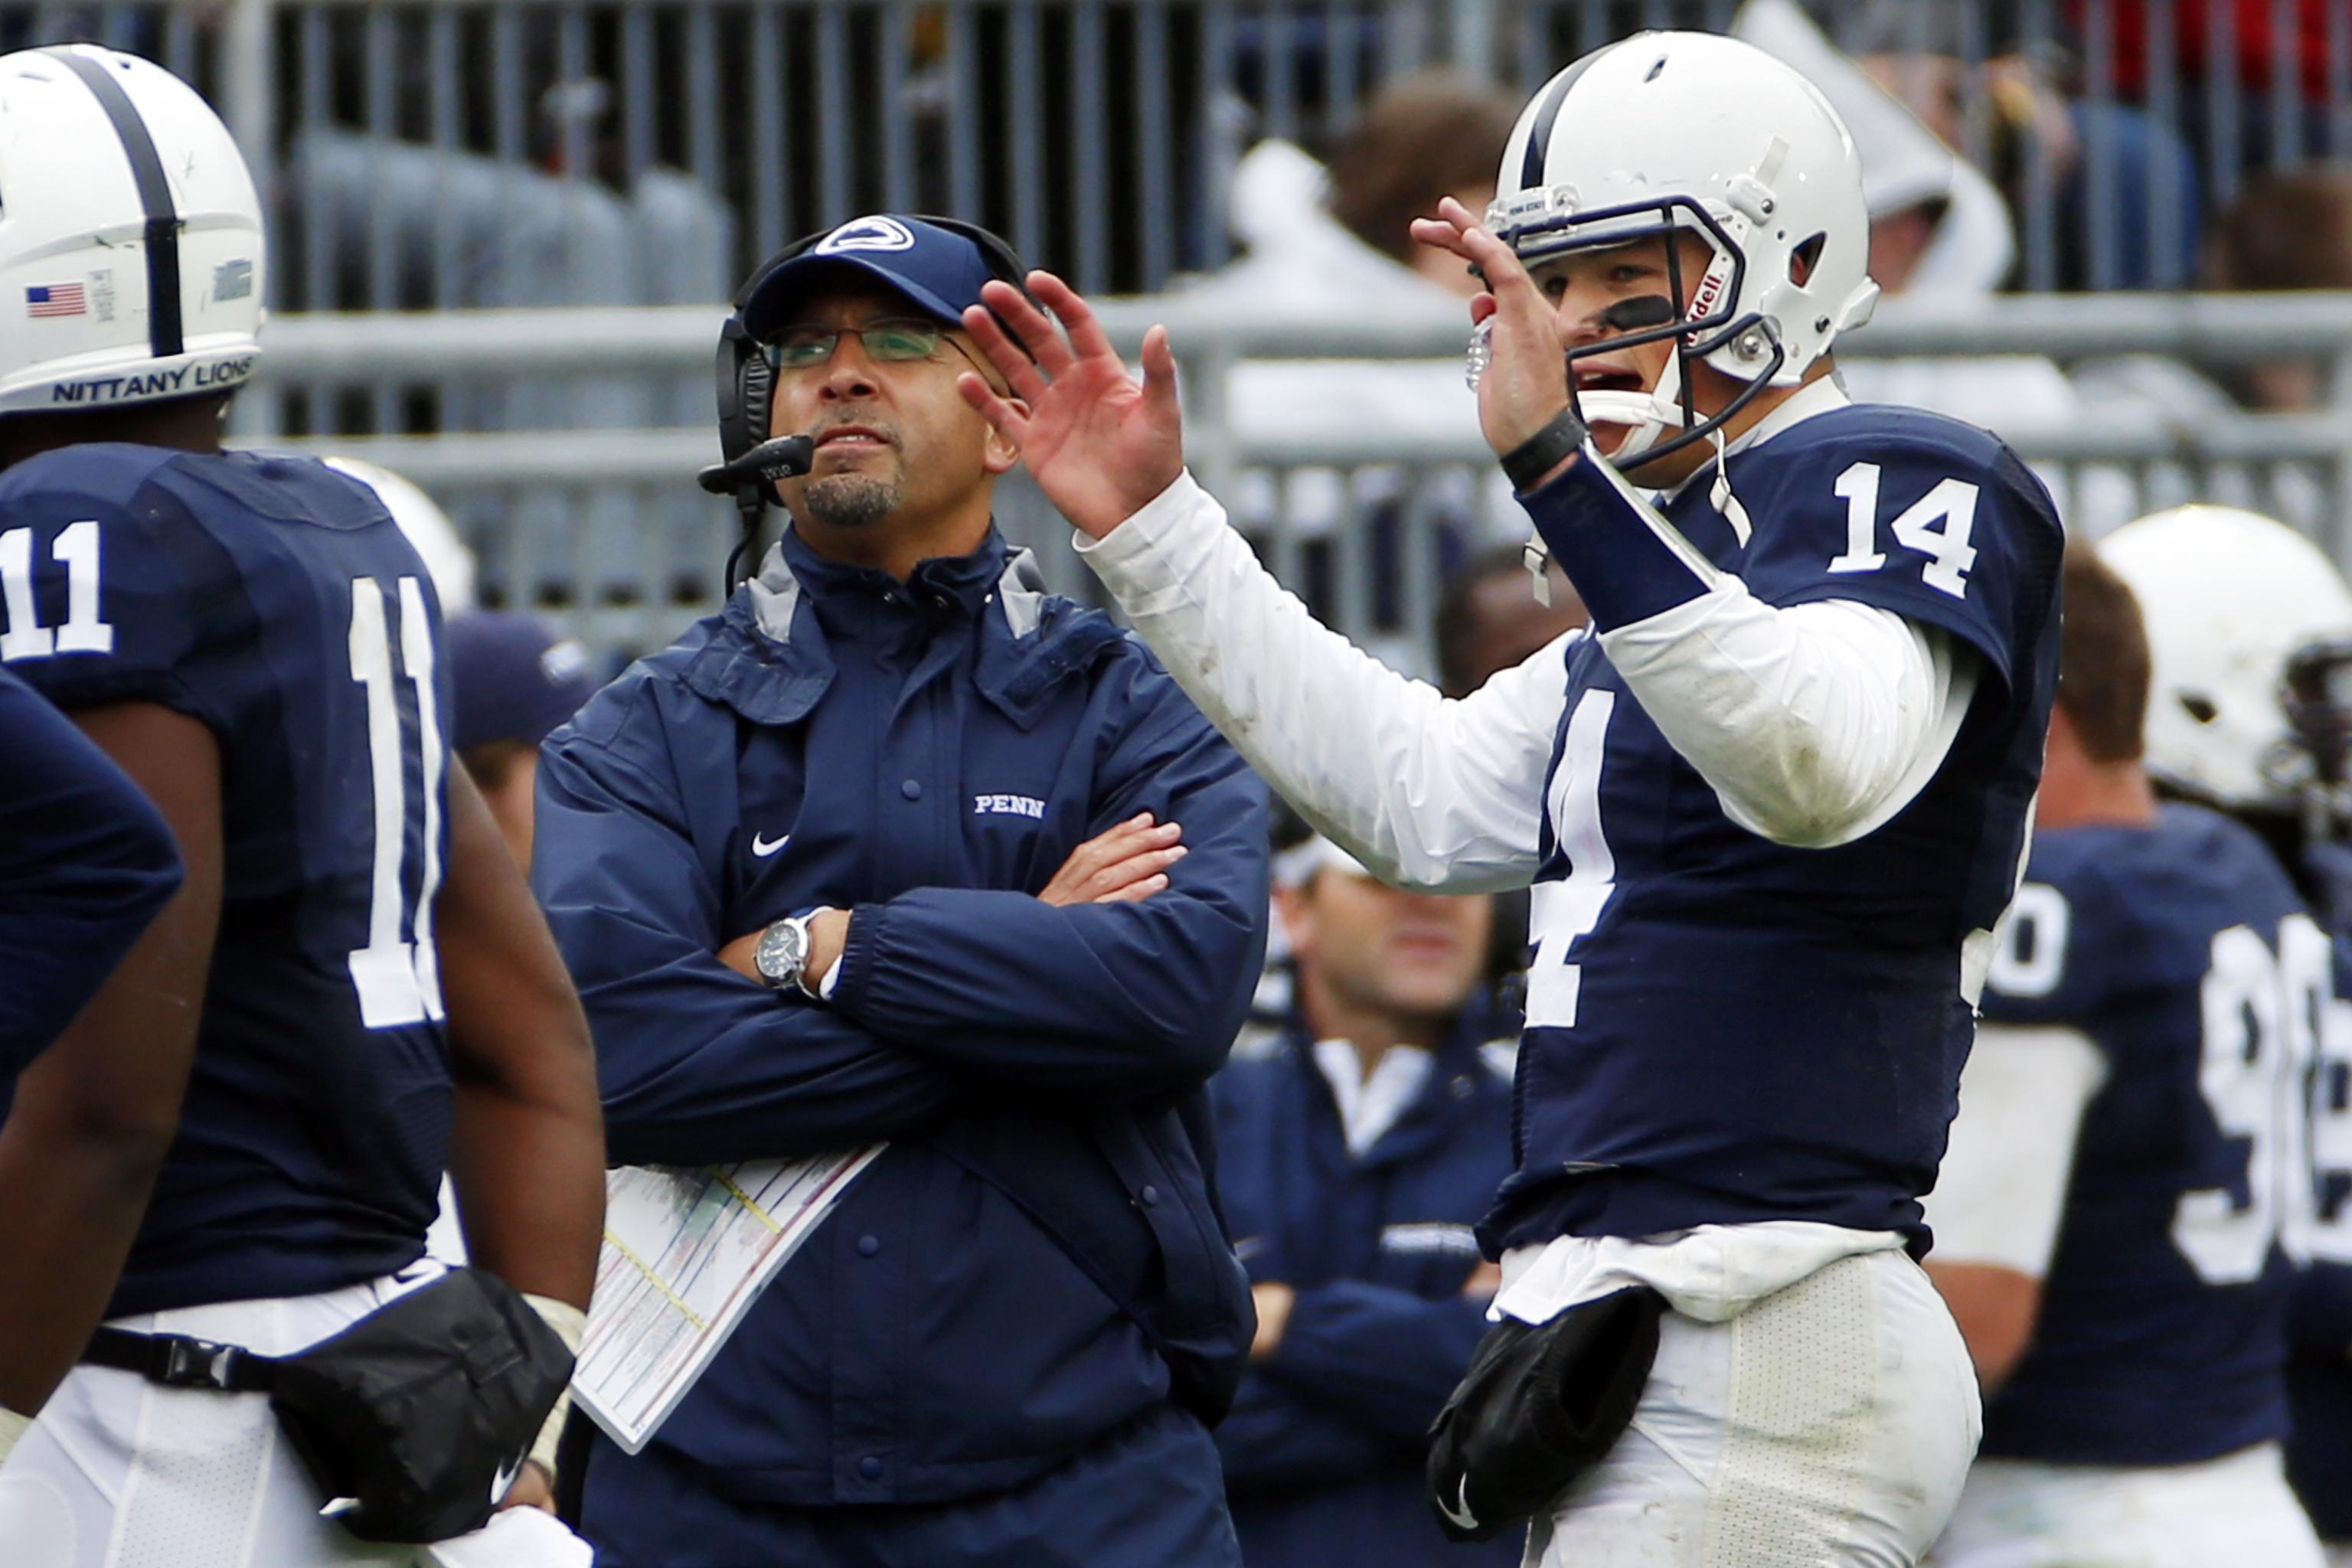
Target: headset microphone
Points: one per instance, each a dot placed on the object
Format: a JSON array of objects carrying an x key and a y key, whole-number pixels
[
  {"x": 746, "y": 476},
  {"x": 785, "y": 458}
]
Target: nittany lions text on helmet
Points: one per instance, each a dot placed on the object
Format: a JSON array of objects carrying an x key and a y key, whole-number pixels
[
  {"x": 1695, "y": 132},
  {"x": 132, "y": 263}
]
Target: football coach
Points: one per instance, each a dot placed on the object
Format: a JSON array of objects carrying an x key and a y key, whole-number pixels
[{"x": 898, "y": 846}]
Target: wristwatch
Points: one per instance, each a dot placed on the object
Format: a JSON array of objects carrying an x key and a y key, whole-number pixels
[{"x": 782, "y": 956}]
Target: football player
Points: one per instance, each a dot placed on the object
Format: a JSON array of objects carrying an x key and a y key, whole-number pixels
[
  {"x": 255, "y": 643},
  {"x": 2129, "y": 1315},
  {"x": 2250, "y": 630},
  {"x": 1772, "y": 805}
]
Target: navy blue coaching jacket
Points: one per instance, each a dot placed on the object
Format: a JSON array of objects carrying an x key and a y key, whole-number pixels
[
  {"x": 1017, "y": 1275},
  {"x": 1326, "y": 1446}
]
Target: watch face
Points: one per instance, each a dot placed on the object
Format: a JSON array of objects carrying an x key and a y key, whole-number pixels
[{"x": 782, "y": 949}]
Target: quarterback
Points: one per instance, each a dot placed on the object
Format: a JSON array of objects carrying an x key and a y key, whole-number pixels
[{"x": 1772, "y": 805}]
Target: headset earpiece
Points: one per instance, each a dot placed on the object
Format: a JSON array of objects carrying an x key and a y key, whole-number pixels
[{"x": 746, "y": 386}]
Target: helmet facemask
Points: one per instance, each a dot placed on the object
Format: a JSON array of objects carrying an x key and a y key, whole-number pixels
[
  {"x": 2312, "y": 763},
  {"x": 1700, "y": 319}
]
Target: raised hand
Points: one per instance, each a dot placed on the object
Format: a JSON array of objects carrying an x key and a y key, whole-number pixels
[
  {"x": 1098, "y": 444},
  {"x": 1525, "y": 383}
]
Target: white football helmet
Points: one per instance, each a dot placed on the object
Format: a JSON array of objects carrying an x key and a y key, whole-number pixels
[
  {"x": 2231, "y": 600},
  {"x": 131, "y": 267},
  {"x": 448, "y": 561},
  {"x": 1696, "y": 132}
]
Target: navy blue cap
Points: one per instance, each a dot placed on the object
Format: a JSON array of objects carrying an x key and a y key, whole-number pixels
[
  {"x": 939, "y": 271},
  {"x": 515, "y": 680}
]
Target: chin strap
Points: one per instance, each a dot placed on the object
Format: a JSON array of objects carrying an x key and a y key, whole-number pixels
[{"x": 1719, "y": 494}]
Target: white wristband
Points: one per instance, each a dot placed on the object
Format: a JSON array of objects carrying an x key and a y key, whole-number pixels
[{"x": 571, "y": 1325}]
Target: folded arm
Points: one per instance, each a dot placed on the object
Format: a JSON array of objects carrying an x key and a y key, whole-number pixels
[
  {"x": 1274, "y": 1439},
  {"x": 1385, "y": 1358},
  {"x": 1122, "y": 998},
  {"x": 698, "y": 1064}
]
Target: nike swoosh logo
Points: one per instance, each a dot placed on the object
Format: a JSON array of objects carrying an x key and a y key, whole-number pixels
[
  {"x": 1466, "y": 1520},
  {"x": 763, "y": 848}
]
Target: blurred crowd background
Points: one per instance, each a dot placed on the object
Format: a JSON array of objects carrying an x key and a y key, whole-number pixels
[{"x": 2119, "y": 232}]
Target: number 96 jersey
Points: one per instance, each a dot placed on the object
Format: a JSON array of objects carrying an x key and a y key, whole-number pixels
[
  {"x": 1725, "y": 1028},
  {"x": 2183, "y": 952},
  {"x": 273, "y": 600}
]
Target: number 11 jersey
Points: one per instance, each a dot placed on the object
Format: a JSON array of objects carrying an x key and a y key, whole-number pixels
[{"x": 274, "y": 600}]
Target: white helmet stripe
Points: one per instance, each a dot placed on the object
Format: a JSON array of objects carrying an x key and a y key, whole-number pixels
[{"x": 164, "y": 332}]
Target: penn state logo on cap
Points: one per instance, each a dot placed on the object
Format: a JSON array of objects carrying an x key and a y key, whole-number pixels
[
  {"x": 939, "y": 271},
  {"x": 866, "y": 233}
]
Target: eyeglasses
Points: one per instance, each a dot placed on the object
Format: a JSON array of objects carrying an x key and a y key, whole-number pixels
[{"x": 885, "y": 343}]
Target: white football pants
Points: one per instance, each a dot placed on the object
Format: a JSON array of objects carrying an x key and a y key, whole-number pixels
[
  {"x": 1830, "y": 1424},
  {"x": 2235, "y": 1511},
  {"x": 118, "y": 1472}
]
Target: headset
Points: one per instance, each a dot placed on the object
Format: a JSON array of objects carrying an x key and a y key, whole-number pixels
[{"x": 751, "y": 461}]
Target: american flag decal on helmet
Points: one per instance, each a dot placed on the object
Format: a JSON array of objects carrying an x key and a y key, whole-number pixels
[{"x": 54, "y": 299}]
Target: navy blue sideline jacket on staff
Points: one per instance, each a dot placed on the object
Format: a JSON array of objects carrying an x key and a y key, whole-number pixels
[
  {"x": 1033, "y": 1281},
  {"x": 85, "y": 864},
  {"x": 1324, "y": 1450},
  {"x": 273, "y": 600}
]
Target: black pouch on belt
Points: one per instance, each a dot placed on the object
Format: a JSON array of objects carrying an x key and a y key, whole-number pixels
[
  {"x": 1540, "y": 1403},
  {"x": 420, "y": 1411}
]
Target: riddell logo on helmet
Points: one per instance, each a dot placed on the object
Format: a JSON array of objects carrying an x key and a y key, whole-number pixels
[
  {"x": 1705, "y": 298},
  {"x": 187, "y": 378}
]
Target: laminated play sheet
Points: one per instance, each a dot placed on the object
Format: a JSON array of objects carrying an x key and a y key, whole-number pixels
[{"x": 686, "y": 1251}]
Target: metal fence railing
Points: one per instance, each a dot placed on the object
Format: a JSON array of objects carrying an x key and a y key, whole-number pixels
[
  {"x": 602, "y": 526},
  {"x": 487, "y": 153},
  {"x": 570, "y": 180}
]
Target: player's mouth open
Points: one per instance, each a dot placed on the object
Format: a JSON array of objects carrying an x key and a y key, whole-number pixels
[{"x": 1602, "y": 378}]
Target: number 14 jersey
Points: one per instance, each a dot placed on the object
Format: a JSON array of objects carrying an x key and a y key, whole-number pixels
[
  {"x": 273, "y": 600},
  {"x": 1722, "y": 1028}
]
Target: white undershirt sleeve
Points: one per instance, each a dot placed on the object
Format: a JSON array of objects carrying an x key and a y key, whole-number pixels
[
  {"x": 1426, "y": 791},
  {"x": 1814, "y": 725},
  {"x": 2002, "y": 1187}
]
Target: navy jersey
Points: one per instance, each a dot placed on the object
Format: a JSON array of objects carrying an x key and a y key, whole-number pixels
[
  {"x": 2183, "y": 952},
  {"x": 1722, "y": 1028},
  {"x": 85, "y": 864},
  {"x": 273, "y": 600}
]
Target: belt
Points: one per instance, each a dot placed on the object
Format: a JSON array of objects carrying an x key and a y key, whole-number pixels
[{"x": 181, "y": 1361}]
